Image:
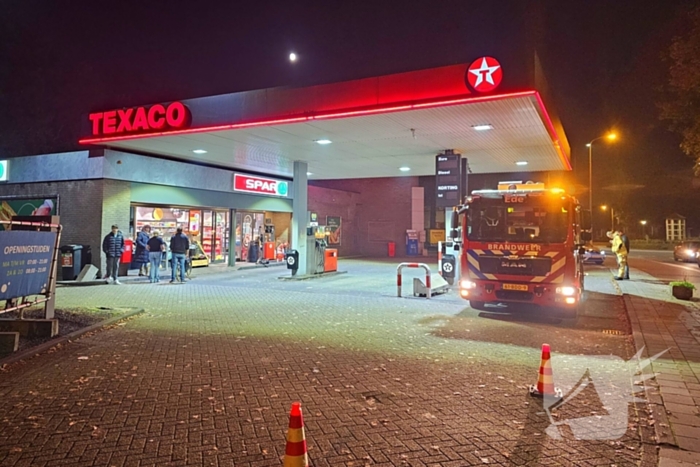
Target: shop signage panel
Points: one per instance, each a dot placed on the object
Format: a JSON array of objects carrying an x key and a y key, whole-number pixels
[
  {"x": 333, "y": 225},
  {"x": 25, "y": 263},
  {"x": 137, "y": 120},
  {"x": 260, "y": 185},
  {"x": 447, "y": 180},
  {"x": 435, "y": 236},
  {"x": 10, "y": 207}
]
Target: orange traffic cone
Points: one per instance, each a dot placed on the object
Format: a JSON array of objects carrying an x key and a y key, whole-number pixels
[
  {"x": 545, "y": 381},
  {"x": 295, "y": 454}
]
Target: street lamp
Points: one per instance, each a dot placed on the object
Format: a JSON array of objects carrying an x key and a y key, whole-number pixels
[
  {"x": 612, "y": 216},
  {"x": 644, "y": 228},
  {"x": 609, "y": 137}
]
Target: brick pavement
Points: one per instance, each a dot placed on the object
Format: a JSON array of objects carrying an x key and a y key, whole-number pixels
[
  {"x": 207, "y": 376},
  {"x": 663, "y": 324}
]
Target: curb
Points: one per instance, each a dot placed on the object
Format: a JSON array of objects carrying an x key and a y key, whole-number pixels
[
  {"x": 655, "y": 405},
  {"x": 258, "y": 266},
  {"x": 26, "y": 353},
  {"x": 81, "y": 284},
  {"x": 311, "y": 276}
]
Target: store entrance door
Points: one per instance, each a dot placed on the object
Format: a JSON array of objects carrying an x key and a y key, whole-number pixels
[
  {"x": 248, "y": 228},
  {"x": 215, "y": 235}
]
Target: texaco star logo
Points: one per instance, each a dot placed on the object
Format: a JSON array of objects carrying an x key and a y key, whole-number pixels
[
  {"x": 485, "y": 74},
  {"x": 447, "y": 267}
]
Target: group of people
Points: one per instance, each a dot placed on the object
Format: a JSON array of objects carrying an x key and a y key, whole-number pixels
[
  {"x": 150, "y": 249},
  {"x": 621, "y": 247}
]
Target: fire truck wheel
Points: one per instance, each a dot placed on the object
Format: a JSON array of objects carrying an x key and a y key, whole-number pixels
[{"x": 477, "y": 305}]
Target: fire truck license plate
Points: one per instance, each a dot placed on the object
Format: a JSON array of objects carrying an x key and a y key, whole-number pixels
[{"x": 515, "y": 287}]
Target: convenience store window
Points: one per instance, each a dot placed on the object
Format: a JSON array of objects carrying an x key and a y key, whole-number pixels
[{"x": 207, "y": 228}]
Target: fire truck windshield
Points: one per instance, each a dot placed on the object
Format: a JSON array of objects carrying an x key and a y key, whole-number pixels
[{"x": 536, "y": 219}]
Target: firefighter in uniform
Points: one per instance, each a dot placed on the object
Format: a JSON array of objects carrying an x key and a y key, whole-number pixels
[{"x": 620, "y": 250}]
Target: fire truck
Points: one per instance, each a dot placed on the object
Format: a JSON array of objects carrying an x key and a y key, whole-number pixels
[{"x": 522, "y": 244}]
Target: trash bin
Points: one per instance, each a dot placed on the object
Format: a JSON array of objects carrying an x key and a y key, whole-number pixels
[
  {"x": 291, "y": 257},
  {"x": 71, "y": 262},
  {"x": 127, "y": 255},
  {"x": 253, "y": 252},
  {"x": 269, "y": 250},
  {"x": 330, "y": 260},
  {"x": 128, "y": 250},
  {"x": 449, "y": 268},
  {"x": 391, "y": 247}
]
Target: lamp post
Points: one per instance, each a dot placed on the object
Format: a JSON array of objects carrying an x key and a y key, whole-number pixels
[
  {"x": 644, "y": 228},
  {"x": 612, "y": 216},
  {"x": 609, "y": 137}
]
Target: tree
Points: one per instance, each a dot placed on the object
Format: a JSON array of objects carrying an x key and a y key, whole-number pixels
[{"x": 681, "y": 103}]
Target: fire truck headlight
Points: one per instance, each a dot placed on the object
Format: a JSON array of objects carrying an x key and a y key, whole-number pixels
[
  {"x": 465, "y": 284},
  {"x": 570, "y": 300},
  {"x": 566, "y": 291},
  {"x": 464, "y": 293},
  {"x": 689, "y": 252}
]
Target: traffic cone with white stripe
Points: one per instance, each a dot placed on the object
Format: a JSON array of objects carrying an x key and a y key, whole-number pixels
[
  {"x": 295, "y": 454},
  {"x": 545, "y": 381}
]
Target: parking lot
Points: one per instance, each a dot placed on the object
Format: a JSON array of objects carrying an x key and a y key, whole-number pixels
[{"x": 207, "y": 374}]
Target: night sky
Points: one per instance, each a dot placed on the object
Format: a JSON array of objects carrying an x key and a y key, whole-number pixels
[{"x": 61, "y": 59}]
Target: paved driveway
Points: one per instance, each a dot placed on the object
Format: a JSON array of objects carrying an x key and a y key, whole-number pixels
[{"x": 207, "y": 376}]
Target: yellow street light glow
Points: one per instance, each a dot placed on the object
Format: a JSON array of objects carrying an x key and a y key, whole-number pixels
[
  {"x": 643, "y": 222},
  {"x": 612, "y": 136},
  {"x": 604, "y": 207}
]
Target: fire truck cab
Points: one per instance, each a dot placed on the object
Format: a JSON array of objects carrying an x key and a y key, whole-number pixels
[{"x": 521, "y": 244}]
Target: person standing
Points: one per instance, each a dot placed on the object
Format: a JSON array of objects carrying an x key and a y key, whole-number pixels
[
  {"x": 141, "y": 255},
  {"x": 113, "y": 247},
  {"x": 155, "y": 247},
  {"x": 618, "y": 247},
  {"x": 179, "y": 247},
  {"x": 626, "y": 241}
]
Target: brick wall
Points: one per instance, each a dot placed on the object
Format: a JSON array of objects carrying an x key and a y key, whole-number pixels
[
  {"x": 80, "y": 208},
  {"x": 374, "y": 211},
  {"x": 88, "y": 208},
  {"x": 116, "y": 209}
]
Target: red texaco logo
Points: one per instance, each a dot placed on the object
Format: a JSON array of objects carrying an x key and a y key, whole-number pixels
[{"x": 484, "y": 74}]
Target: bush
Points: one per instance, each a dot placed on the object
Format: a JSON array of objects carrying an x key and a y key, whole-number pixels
[{"x": 685, "y": 284}]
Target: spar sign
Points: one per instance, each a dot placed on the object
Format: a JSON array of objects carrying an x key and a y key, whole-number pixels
[{"x": 260, "y": 185}]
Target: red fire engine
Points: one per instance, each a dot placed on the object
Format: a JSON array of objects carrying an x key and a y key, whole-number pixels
[{"x": 521, "y": 246}]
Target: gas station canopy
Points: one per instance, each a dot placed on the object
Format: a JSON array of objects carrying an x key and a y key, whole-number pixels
[{"x": 372, "y": 127}]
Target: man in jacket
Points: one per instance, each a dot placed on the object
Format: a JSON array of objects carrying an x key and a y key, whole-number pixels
[
  {"x": 113, "y": 247},
  {"x": 141, "y": 254},
  {"x": 179, "y": 247}
]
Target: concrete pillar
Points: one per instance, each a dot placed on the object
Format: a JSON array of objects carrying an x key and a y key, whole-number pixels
[
  {"x": 232, "y": 238},
  {"x": 300, "y": 207}
]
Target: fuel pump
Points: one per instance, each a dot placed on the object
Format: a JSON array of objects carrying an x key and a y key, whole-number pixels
[
  {"x": 320, "y": 250},
  {"x": 451, "y": 249}
]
